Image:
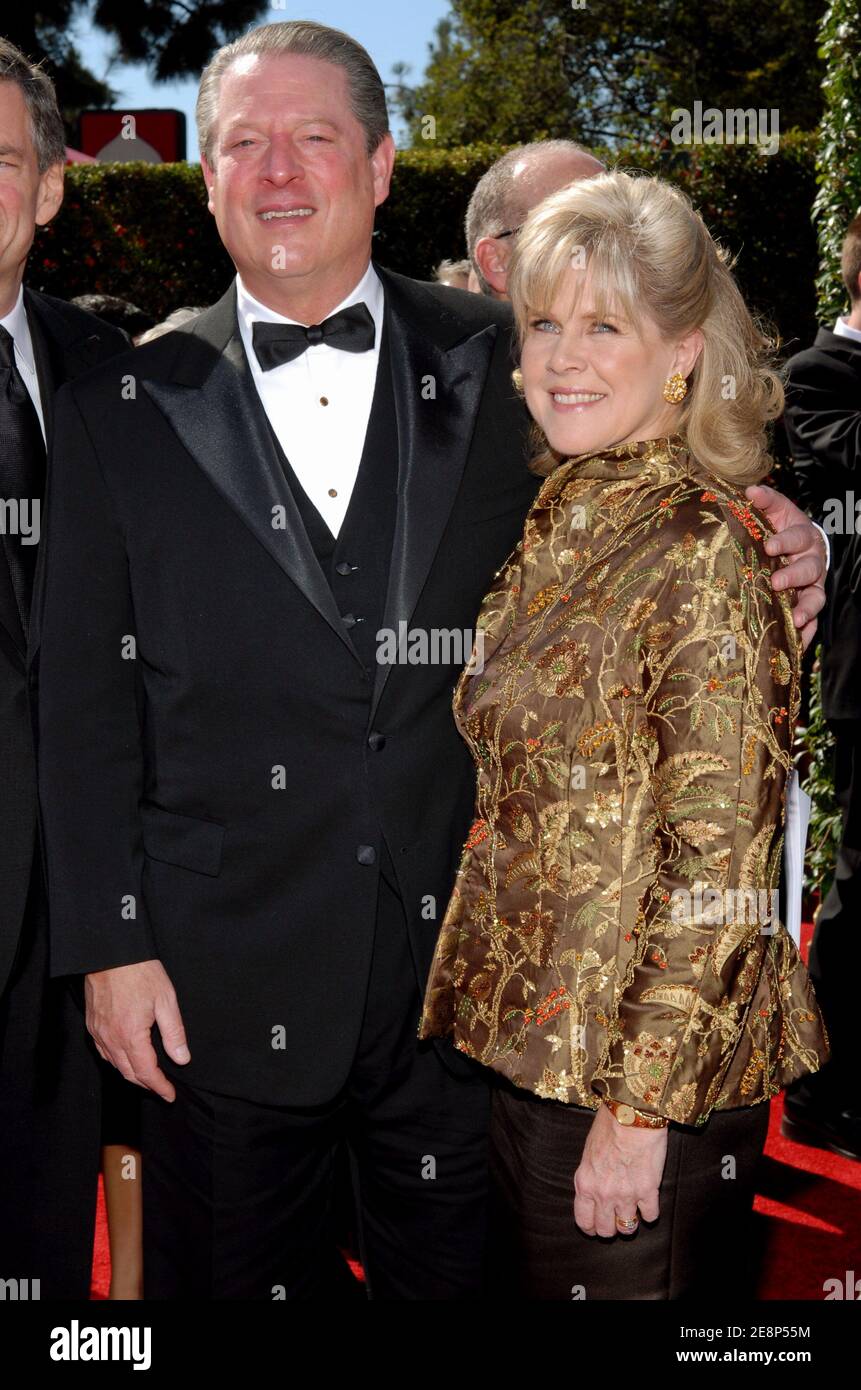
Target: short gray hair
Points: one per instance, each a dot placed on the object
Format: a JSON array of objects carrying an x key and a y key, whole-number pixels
[
  {"x": 493, "y": 207},
  {"x": 302, "y": 36},
  {"x": 46, "y": 123}
]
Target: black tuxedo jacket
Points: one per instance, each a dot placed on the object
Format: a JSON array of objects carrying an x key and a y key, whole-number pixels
[
  {"x": 66, "y": 342},
  {"x": 823, "y": 426},
  {"x": 211, "y": 791}
]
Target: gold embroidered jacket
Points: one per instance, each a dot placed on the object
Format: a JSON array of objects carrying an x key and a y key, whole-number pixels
[{"x": 612, "y": 928}]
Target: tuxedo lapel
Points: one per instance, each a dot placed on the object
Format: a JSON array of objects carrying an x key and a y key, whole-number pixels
[
  {"x": 61, "y": 352},
  {"x": 212, "y": 404},
  {"x": 439, "y": 369}
]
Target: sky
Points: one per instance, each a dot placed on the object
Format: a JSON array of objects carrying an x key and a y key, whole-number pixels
[{"x": 391, "y": 30}]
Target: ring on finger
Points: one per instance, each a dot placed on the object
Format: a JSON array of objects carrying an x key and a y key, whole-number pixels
[{"x": 625, "y": 1225}]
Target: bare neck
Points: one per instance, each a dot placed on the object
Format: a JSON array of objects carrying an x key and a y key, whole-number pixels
[{"x": 9, "y": 290}]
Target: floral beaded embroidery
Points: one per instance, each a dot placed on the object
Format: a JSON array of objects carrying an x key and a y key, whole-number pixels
[{"x": 632, "y": 728}]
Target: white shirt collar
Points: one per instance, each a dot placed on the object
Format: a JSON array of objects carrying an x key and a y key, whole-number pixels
[
  {"x": 369, "y": 289},
  {"x": 842, "y": 329},
  {"x": 16, "y": 324}
]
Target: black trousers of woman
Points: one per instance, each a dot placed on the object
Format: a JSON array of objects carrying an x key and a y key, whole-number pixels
[{"x": 699, "y": 1247}]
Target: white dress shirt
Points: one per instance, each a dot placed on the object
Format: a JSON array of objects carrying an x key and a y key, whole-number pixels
[
  {"x": 320, "y": 403},
  {"x": 843, "y": 330},
  {"x": 16, "y": 324}
]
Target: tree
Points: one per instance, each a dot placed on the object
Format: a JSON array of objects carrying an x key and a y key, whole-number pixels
[
  {"x": 43, "y": 34},
  {"x": 173, "y": 38},
  {"x": 519, "y": 70},
  {"x": 838, "y": 162}
]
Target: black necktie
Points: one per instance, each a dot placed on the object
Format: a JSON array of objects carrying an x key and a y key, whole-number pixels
[
  {"x": 352, "y": 330},
  {"x": 22, "y": 474}
]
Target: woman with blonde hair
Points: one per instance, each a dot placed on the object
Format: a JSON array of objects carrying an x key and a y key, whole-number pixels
[{"x": 614, "y": 949}]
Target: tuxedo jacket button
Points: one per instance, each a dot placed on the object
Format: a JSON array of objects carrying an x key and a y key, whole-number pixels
[{"x": 366, "y": 854}]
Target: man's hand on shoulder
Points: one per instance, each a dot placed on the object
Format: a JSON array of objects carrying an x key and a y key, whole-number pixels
[{"x": 122, "y": 1005}]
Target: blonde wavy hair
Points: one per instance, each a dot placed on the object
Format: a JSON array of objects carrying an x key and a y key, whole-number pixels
[{"x": 650, "y": 253}]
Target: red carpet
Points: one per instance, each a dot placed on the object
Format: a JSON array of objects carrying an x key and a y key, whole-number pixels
[
  {"x": 808, "y": 1209},
  {"x": 808, "y": 1214},
  {"x": 101, "y": 1282}
]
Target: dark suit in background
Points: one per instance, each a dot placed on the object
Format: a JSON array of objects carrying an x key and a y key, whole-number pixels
[
  {"x": 284, "y": 811},
  {"x": 823, "y": 426},
  {"x": 49, "y": 1086}
]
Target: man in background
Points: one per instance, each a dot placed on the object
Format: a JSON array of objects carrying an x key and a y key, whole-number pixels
[
  {"x": 504, "y": 196},
  {"x": 823, "y": 426}
]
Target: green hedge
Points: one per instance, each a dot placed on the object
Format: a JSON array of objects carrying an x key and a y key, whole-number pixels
[
  {"x": 838, "y": 164},
  {"x": 143, "y": 232}
]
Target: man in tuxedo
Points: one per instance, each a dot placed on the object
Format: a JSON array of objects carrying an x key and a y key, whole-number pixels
[
  {"x": 269, "y": 535},
  {"x": 823, "y": 426},
  {"x": 49, "y": 1086}
]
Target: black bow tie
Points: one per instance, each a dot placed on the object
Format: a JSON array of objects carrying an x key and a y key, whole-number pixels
[{"x": 352, "y": 330}]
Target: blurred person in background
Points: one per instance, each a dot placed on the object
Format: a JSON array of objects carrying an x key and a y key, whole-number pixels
[
  {"x": 822, "y": 419},
  {"x": 455, "y": 274},
  {"x": 121, "y": 313},
  {"x": 504, "y": 196}
]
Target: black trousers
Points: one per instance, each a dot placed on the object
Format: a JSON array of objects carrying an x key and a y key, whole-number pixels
[
  {"x": 834, "y": 950},
  {"x": 699, "y": 1247},
  {"x": 49, "y": 1123},
  {"x": 239, "y": 1199}
]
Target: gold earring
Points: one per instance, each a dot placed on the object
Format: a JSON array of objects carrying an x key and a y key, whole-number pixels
[{"x": 675, "y": 388}]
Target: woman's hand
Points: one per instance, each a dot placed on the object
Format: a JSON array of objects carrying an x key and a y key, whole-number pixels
[{"x": 620, "y": 1171}]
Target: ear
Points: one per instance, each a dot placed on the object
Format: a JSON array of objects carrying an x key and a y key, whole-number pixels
[
  {"x": 382, "y": 164},
  {"x": 687, "y": 352},
  {"x": 50, "y": 194},
  {"x": 492, "y": 257},
  {"x": 209, "y": 180}
]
